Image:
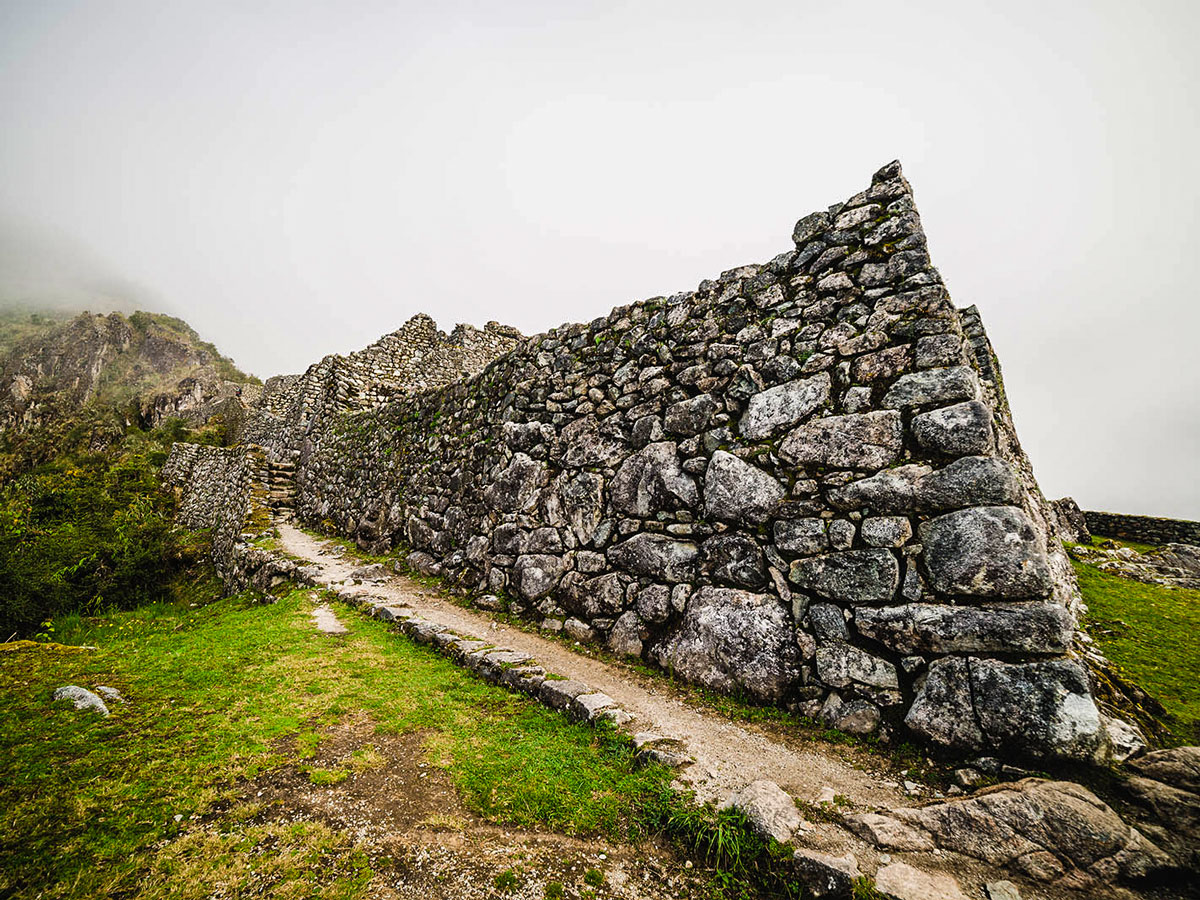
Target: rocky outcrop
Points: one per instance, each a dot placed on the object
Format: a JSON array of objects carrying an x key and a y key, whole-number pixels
[{"x": 800, "y": 480}]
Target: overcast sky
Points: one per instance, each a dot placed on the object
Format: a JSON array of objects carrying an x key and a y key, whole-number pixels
[{"x": 297, "y": 178}]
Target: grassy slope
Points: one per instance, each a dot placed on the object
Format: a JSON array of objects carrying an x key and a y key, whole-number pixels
[
  {"x": 212, "y": 691},
  {"x": 1152, "y": 633}
]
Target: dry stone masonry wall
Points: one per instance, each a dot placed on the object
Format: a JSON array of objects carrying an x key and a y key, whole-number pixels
[
  {"x": 799, "y": 482},
  {"x": 1144, "y": 529}
]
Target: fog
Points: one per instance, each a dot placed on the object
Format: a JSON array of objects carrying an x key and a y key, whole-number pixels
[{"x": 299, "y": 178}]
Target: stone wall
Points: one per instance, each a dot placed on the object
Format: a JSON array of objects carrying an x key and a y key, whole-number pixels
[
  {"x": 799, "y": 482},
  {"x": 1143, "y": 529}
]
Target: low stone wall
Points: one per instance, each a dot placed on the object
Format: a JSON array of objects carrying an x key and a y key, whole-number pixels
[
  {"x": 800, "y": 481},
  {"x": 1144, "y": 529}
]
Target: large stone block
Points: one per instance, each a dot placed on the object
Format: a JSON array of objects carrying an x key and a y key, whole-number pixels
[
  {"x": 774, "y": 409},
  {"x": 970, "y": 481},
  {"x": 737, "y": 491},
  {"x": 735, "y": 559},
  {"x": 855, "y": 576},
  {"x": 988, "y": 552},
  {"x": 932, "y": 387},
  {"x": 537, "y": 574},
  {"x": 840, "y": 665},
  {"x": 964, "y": 429},
  {"x": 656, "y": 556},
  {"x": 730, "y": 640},
  {"x": 861, "y": 441},
  {"x": 651, "y": 481},
  {"x": 891, "y": 491},
  {"x": 1035, "y": 628}
]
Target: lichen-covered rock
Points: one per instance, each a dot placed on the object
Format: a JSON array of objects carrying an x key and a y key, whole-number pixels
[
  {"x": 801, "y": 537},
  {"x": 964, "y": 429},
  {"x": 855, "y": 576},
  {"x": 1038, "y": 709},
  {"x": 770, "y": 810},
  {"x": 986, "y": 551},
  {"x": 735, "y": 490},
  {"x": 970, "y": 481},
  {"x": 656, "y": 556},
  {"x": 538, "y": 575},
  {"x": 886, "y": 531},
  {"x": 518, "y": 486},
  {"x": 651, "y": 480},
  {"x": 784, "y": 405},
  {"x": 733, "y": 640},
  {"x": 627, "y": 635},
  {"x": 690, "y": 416},
  {"x": 1025, "y": 628},
  {"x": 82, "y": 698},
  {"x": 840, "y": 665},
  {"x": 932, "y": 387},
  {"x": 861, "y": 441},
  {"x": 1043, "y": 829},
  {"x": 891, "y": 491},
  {"x": 736, "y": 560}
]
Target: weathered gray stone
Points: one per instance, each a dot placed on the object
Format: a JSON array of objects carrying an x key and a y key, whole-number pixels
[
  {"x": 559, "y": 693},
  {"x": 1033, "y": 628},
  {"x": 537, "y": 575},
  {"x": 735, "y": 559},
  {"x": 1035, "y": 709},
  {"x": 627, "y": 635},
  {"x": 862, "y": 441},
  {"x": 852, "y": 716},
  {"x": 824, "y": 876},
  {"x": 82, "y": 698},
  {"x": 905, "y": 882},
  {"x": 654, "y": 603},
  {"x": 856, "y": 576},
  {"x": 891, "y": 491},
  {"x": 785, "y": 405},
  {"x": 964, "y": 429},
  {"x": 1178, "y": 767},
  {"x": 841, "y": 534},
  {"x": 970, "y": 481},
  {"x": 828, "y": 622},
  {"x": 656, "y": 556},
  {"x": 1043, "y": 829},
  {"x": 585, "y": 445},
  {"x": 986, "y": 551},
  {"x": 518, "y": 486},
  {"x": 731, "y": 639},
  {"x": 597, "y": 597},
  {"x": 840, "y": 665},
  {"x": 1124, "y": 739},
  {"x": 1002, "y": 890},
  {"x": 737, "y": 491},
  {"x": 888, "y": 833},
  {"x": 690, "y": 416},
  {"x": 886, "y": 531},
  {"x": 932, "y": 387},
  {"x": 801, "y": 537},
  {"x": 651, "y": 481},
  {"x": 769, "y": 809}
]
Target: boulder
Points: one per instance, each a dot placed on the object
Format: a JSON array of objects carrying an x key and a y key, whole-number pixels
[
  {"x": 1072, "y": 524},
  {"x": 730, "y": 639},
  {"x": 886, "y": 531},
  {"x": 858, "y": 441},
  {"x": 888, "y": 833},
  {"x": 1026, "y": 628},
  {"x": 986, "y": 551},
  {"x": 517, "y": 487},
  {"x": 964, "y": 429},
  {"x": 654, "y": 603},
  {"x": 769, "y": 412},
  {"x": 651, "y": 481},
  {"x": 1043, "y": 829},
  {"x": 82, "y": 698},
  {"x": 627, "y": 635},
  {"x": 690, "y": 416},
  {"x": 737, "y": 491},
  {"x": 1036, "y": 709},
  {"x": 769, "y": 809},
  {"x": 1178, "y": 767},
  {"x": 855, "y": 716},
  {"x": 656, "y": 556},
  {"x": 537, "y": 574},
  {"x": 584, "y": 445},
  {"x": 824, "y": 876},
  {"x": 855, "y": 576}
]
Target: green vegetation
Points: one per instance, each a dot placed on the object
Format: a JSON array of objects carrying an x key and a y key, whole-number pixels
[
  {"x": 224, "y": 692},
  {"x": 86, "y": 531},
  {"x": 1121, "y": 542},
  {"x": 1152, "y": 633}
]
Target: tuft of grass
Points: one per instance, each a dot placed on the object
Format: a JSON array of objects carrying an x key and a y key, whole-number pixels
[
  {"x": 506, "y": 882},
  {"x": 593, "y": 878},
  {"x": 1152, "y": 633},
  {"x": 554, "y": 890},
  {"x": 327, "y": 777}
]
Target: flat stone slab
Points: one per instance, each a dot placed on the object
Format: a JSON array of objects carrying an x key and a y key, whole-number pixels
[{"x": 325, "y": 620}]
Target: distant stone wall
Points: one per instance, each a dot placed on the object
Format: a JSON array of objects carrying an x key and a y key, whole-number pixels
[
  {"x": 1143, "y": 529},
  {"x": 800, "y": 481}
]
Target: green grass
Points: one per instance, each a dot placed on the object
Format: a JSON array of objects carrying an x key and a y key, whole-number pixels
[
  {"x": 1097, "y": 539},
  {"x": 216, "y": 695},
  {"x": 1152, "y": 633}
]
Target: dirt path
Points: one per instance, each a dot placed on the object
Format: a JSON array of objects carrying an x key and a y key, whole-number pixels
[{"x": 728, "y": 755}]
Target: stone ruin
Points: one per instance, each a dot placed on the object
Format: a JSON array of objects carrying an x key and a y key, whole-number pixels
[{"x": 799, "y": 482}]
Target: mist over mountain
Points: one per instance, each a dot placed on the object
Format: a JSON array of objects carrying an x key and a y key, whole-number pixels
[{"x": 44, "y": 270}]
